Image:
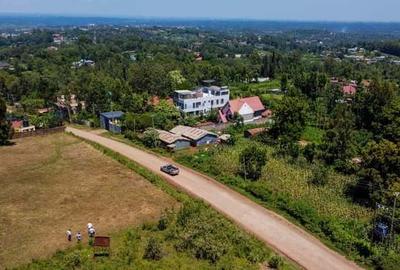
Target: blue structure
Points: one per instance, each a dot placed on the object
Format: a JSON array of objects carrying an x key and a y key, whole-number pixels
[
  {"x": 207, "y": 139},
  {"x": 111, "y": 121},
  {"x": 381, "y": 231}
]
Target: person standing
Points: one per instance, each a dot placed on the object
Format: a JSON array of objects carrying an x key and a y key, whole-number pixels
[
  {"x": 89, "y": 225},
  {"x": 92, "y": 232},
  {"x": 69, "y": 235},
  {"x": 78, "y": 237}
]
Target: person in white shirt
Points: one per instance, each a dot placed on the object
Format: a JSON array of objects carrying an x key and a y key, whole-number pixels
[
  {"x": 69, "y": 235},
  {"x": 92, "y": 232},
  {"x": 78, "y": 237}
]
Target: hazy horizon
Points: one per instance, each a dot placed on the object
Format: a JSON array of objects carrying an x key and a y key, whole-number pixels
[{"x": 284, "y": 10}]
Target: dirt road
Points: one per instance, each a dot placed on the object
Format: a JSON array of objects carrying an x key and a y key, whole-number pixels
[{"x": 277, "y": 232}]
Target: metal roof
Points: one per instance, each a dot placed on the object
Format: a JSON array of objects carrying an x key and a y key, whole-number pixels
[
  {"x": 191, "y": 132},
  {"x": 117, "y": 114},
  {"x": 168, "y": 137}
]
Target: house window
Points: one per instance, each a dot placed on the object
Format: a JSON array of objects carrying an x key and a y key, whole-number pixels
[
  {"x": 217, "y": 101},
  {"x": 185, "y": 106},
  {"x": 194, "y": 105},
  {"x": 222, "y": 101},
  {"x": 212, "y": 102}
]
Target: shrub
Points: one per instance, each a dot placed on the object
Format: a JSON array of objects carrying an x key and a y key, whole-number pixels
[
  {"x": 309, "y": 152},
  {"x": 153, "y": 250},
  {"x": 150, "y": 138},
  {"x": 73, "y": 260},
  {"x": 252, "y": 160},
  {"x": 275, "y": 262},
  {"x": 320, "y": 176}
]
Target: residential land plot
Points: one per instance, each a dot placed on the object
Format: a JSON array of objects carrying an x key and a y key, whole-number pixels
[{"x": 53, "y": 183}]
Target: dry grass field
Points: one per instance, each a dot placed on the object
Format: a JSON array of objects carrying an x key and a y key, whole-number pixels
[{"x": 52, "y": 183}]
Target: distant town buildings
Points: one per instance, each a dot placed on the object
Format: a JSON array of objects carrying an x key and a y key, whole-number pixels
[{"x": 58, "y": 39}]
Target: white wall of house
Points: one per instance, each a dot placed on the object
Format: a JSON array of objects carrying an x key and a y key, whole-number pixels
[
  {"x": 202, "y": 105},
  {"x": 246, "y": 112}
]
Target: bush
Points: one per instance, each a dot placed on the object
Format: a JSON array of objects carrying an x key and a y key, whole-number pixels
[
  {"x": 275, "y": 262},
  {"x": 153, "y": 250},
  {"x": 252, "y": 160},
  {"x": 150, "y": 138},
  {"x": 73, "y": 260},
  {"x": 320, "y": 175},
  {"x": 309, "y": 152}
]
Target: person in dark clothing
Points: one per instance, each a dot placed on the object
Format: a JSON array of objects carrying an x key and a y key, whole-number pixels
[{"x": 69, "y": 235}]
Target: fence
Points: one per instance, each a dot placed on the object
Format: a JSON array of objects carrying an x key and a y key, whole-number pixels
[{"x": 39, "y": 132}]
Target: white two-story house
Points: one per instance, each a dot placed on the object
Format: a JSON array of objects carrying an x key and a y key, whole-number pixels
[{"x": 201, "y": 100}]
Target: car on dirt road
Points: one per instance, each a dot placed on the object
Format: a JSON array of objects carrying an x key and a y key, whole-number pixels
[{"x": 170, "y": 169}]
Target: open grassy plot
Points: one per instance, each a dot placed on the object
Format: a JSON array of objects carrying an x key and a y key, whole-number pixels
[
  {"x": 52, "y": 183},
  {"x": 194, "y": 237}
]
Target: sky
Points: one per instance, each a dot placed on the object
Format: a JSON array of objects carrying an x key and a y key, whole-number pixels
[{"x": 308, "y": 10}]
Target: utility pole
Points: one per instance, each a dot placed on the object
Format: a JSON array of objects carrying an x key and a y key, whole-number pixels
[{"x": 396, "y": 194}]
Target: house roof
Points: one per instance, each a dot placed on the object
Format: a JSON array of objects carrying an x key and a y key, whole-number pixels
[
  {"x": 117, "y": 114},
  {"x": 255, "y": 131},
  {"x": 191, "y": 132},
  {"x": 43, "y": 110},
  {"x": 168, "y": 137},
  {"x": 17, "y": 124},
  {"x": 254, "y": 102},
  {"x": 349, "y": 90},
  {"x": 4, "y": 64}
]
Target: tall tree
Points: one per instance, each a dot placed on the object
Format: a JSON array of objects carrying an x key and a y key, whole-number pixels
[
  {"x": 380, "y": 173},
  {"x": 5, "y": 127},
  {"x": 290, "y": 118},
  {"x": 338, "y": 145}
]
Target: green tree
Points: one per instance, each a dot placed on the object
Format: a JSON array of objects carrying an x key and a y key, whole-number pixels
[
  {"x": 252, "y": 159},
  {"x": 319, "y": 176},
  {"x": 151, "y": 138},
  {"x": 338, "y": 143},
  {"x": 309, "y": 152},
  {"x": 391, "y": 121},
  {"x": 380, "y": 173},
  {"x": 5, "y": 127},
  {"x": 290, "y": 118}
]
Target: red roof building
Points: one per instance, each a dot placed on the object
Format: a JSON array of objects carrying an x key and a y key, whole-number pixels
[
  {"x": 350, "y": 89},
  {"x": 17, "y": 124},
  {"x": 250, "y": 108}
]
